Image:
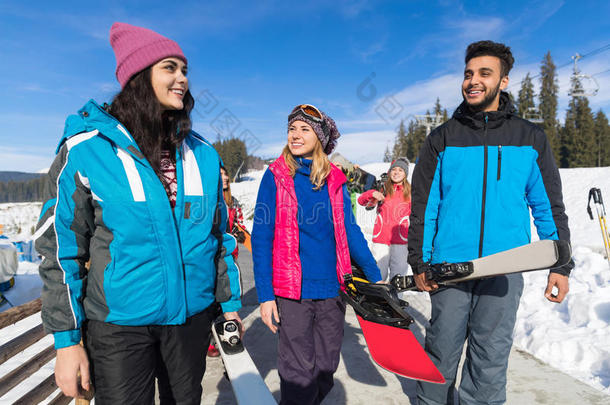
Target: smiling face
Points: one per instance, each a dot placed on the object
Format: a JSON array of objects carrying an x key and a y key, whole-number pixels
[
  {"x": 482, "y": 83},
  {"x": 397, "y": 175},
  {"x": 301, "y": 139},
  {"x": 169, "y": 82}
]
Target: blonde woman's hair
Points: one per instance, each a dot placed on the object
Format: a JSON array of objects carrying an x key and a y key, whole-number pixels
[
  {"x": 320, "y": 166},
  {"x": 406, "y": 188}
]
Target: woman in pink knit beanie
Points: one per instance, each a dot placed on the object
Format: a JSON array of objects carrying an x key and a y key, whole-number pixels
[{"x": 137, "y": 262}]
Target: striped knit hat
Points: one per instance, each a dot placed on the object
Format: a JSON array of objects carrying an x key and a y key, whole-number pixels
[{"x": 326, "y": 130}]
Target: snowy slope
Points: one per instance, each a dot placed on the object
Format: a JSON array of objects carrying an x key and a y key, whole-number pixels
[{"x": 573, "y": 336}]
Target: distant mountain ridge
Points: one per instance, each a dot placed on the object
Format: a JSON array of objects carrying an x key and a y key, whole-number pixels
[{"x": 18, "y": 176}]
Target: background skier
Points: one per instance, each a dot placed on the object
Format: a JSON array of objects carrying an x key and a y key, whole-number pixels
[
  {"x": 476, "y": 180},
  {"x": 235, "y": 215},
  {"x": 390, "y": 233}
]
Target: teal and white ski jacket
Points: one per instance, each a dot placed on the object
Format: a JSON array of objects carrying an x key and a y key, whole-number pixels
[{"x": 149, "y": 264}]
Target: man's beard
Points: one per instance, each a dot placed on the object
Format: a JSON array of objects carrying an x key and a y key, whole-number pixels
[{"x": 486, "y": 102}]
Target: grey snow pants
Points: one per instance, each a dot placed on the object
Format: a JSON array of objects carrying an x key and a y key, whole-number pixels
[{"x": 482, "y": 312}]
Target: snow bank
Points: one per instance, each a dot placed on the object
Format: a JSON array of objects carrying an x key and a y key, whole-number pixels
[
  {"x": 19, "y": 219},
  {"x": 573, "y": 336}
]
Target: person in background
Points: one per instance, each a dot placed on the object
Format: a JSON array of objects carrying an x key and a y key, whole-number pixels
[
  {"x": 126, "y": 193},
  {"x": 391, "y": 230},
  {"x": 236, "y": 217},
  {"x": 304, "y": 233},
  {"x": 358, "y": 180}
]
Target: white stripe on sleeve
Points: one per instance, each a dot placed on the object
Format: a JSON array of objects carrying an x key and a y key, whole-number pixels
[{"x": 135, "y": 182}]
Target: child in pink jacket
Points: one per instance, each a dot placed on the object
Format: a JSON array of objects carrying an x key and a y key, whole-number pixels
[{"x": 390, "y": 234}]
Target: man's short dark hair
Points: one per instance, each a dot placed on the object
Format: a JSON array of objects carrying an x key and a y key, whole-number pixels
[{"x": 490, "y": 48}]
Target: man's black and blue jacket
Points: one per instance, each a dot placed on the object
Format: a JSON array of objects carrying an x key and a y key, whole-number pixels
[{"x": 476, "y": 179}]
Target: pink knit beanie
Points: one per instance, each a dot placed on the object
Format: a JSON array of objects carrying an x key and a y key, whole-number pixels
[{"x": 136, "y": 48}]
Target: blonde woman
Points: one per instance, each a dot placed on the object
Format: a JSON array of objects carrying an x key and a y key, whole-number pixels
[{"x": 304, "y": 233}]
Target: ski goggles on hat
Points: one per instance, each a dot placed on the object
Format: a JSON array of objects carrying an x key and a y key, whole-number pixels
[{"x": 308, "y": 110}]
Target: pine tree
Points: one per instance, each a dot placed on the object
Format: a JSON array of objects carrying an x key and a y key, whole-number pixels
[
  {"x": 548, "y": 103},
  {"x": 387, "y": 155},
  {"x": 233, "y": 153},
  {"x": 22, "y": 191},
  {"x": 410, "y": 151},
  {"x": 400, "y": 145},
  {"x": 417, "y": 134},
  {"x": 526, "y": 96},
  {"x": 568, "y": 135},
  {"x": 579, "y": 130},
  {"x": 602, "y": 139},
  {"x": 439, "y": 110}
]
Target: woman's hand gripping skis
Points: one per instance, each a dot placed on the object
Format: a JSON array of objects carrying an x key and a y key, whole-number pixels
[
  {"x": 246, "y": 381},
  {"x": 385, "y": 325},
  {"x": 539, "y": 255}
]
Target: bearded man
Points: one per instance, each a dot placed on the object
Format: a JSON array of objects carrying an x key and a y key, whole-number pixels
[{"x": 477, "y": 178}]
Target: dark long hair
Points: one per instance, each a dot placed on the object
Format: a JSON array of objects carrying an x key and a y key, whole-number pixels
[{"x": 154, "y": 129}]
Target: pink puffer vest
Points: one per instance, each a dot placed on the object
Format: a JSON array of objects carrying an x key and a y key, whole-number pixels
[{"x": 286, "y": 260}]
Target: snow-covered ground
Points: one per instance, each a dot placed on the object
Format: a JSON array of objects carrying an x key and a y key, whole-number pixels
[
  {"x": 573, "y": 336},
  {"x": 19, "y": 219}
]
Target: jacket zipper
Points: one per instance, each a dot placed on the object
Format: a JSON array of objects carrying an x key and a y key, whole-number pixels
[
  {"x": 484, "y": 188},
  {"x": 499, "y": 161}
]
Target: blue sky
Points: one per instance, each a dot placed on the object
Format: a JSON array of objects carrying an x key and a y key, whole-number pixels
[{"x": 366, "y": 63}]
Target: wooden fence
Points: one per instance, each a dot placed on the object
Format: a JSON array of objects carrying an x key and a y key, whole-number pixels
[{"x": 25, "y": 370}]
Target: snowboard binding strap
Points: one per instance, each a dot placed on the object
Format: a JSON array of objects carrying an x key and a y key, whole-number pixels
[
  {"x": 441, "y": 272},
  {"x": 377, "y": 303},
  {"x": 228, "y": 334}
]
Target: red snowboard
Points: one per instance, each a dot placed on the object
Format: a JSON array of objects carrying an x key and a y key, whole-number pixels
[{"x": 397, "y": 350}]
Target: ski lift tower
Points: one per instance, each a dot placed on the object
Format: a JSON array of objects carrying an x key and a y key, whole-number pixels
[
  {"x": 429, "y": 121},
  {"x": 582, "y": 85}
]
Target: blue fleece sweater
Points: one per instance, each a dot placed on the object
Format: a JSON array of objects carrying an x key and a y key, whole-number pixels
[{"x": 317, "y": 248}]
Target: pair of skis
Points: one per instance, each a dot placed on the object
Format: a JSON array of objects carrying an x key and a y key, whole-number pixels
[{"x": 385, "y": 322}]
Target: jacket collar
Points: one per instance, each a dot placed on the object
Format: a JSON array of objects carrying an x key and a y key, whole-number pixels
[
  {"x": 335, "y": 178},
  {"x": 91, "y": 117},
  {"x": 494, "y": 118}
]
